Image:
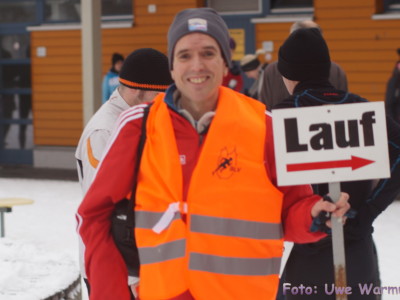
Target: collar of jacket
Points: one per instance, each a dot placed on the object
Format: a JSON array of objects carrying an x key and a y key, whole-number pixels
[
  {"x": 116, "y": 99},
  {"x": 169, "y": 97},
  {"x": 201, "y": 125},
  {"x": 312, "y": 84},
  {"x": 113, "y": 70}
]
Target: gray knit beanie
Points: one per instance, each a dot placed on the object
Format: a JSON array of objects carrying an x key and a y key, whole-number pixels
[{"x": 204, "y": 20}]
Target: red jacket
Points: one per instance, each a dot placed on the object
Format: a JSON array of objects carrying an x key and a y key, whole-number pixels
[{"x": 104, "y": 265}]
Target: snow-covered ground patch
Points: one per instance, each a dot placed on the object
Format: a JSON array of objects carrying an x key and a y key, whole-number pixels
[
  {"x": 387, "y": 240},
  {"x": 38, "y": 256}
]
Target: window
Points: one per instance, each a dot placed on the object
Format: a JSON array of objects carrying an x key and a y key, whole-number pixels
[
  {"x": 15, "y": 93},
  {"x": 17, "y": 11},
  {"x": 14, "y": 46},
  {"x": 116, "y": 7},
  {"x": 61, "y": 10},
  {"x": 70, "y": 10},
  {"x": 291, "y": 3},
  {"x": 387, "y": 10},
  {"x": 235, "y": 6},
  {"x": 392, "y": 5},
  {"x": 288, "y": 11}
]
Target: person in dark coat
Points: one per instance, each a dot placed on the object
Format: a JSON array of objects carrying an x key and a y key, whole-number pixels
[
  {"x": 234, "y": 78},
  {"x": 304, "y": 63},
  {"x": 7, "y": 104},
  {"x": 273, "y": 90},
  {"x": 392, "y": 98},
  {"x": 254, "y": 69}
]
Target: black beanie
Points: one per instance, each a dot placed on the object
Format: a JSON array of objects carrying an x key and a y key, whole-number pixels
[
  {"x": 204, "y": 20},
  {"x": 116, "y": 57},
  {"x": 304, "y": 56},
  {"x": 146, "y": 69}
]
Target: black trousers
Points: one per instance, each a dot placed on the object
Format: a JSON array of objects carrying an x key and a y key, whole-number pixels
[{"x": 309, "y": 272}]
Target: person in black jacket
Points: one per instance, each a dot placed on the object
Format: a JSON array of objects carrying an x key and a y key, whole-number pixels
[
  {"x": 252, "y": 68},
  {"x": 234, "y": 78},
  {"x": 304, "y": 63},
  {"x": 273, "y": 90},
  {"x": 392, "y": 97}
]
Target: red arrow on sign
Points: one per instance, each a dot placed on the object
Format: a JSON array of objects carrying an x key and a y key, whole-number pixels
[{"x": 353, "y": 163}]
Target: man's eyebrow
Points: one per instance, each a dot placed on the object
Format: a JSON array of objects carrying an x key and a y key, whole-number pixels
[
  {"x": 182, "y": 51},
  {"x": 210, "y": 47},
  {"x": 203, "y": 48}
]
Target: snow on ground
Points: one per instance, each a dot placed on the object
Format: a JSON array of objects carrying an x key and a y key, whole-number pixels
[
  {"x": 39, "y": 255},
  {"x": 387, "y": 240}
]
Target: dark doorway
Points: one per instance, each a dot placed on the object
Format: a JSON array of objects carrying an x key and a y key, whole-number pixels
[{"x": 16, "y": 132}]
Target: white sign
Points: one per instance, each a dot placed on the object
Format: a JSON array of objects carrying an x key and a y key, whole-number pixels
[
  {"x": 268, "y": 46},
  {"x": 330, "y": 143},
  {"x": 41, "y": 51}
]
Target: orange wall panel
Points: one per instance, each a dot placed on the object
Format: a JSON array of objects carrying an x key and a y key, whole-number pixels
[
  {"x": 73, "y": 96},
  {"x": 57, "y": 78},
  {"x": 362, "y": 24},
  {"x": 345, "y": 13},
  {"x": 55, "y": 125},
  {"x": 53, "y": 105},
  {"x": 343, "y": 4},
  {"x": 55, "y": 140},
  {"x": 162, "y": 9}
]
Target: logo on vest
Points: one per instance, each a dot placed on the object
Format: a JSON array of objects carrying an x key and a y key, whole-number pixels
[{"x": 227, "y": 164}]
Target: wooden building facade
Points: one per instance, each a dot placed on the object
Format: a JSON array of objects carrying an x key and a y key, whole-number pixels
[
  {"x": 57, "y": 77},
  {"x": 362, "y": 35}
]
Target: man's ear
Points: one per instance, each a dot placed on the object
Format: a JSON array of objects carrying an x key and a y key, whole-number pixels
[
  {"x": 172, "y": 74},
  {"x": 226, "y": 70}
]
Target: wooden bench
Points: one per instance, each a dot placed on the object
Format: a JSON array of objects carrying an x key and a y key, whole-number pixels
[{"x": 6, "y": 205}]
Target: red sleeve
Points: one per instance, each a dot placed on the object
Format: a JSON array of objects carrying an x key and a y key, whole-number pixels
[
  {"x": 104, "y": 266},
  {"x": 297, "y": 200}
]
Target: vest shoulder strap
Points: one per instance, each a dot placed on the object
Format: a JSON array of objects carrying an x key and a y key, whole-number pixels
[
  {"x": 142, "y": 141},
  {"x": 123, "y": 217}
]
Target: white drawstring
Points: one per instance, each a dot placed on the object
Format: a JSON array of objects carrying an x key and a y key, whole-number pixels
[{"x": 168, "y": 216}]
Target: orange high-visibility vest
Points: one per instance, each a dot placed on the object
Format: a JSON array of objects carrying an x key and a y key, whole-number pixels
[{"x": 231, "y": 245}]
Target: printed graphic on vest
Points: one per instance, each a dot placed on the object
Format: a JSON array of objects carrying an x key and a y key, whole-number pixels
[{"x": 227, "y": 163}]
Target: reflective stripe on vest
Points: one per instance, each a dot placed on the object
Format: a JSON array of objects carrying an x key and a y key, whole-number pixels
[
  {"x": 160, "y": 221},
  {"x": 148, "y": 219},
  {"x": 234, "y": 265},
  {"x": 235, "y": 228},
  {"x": 162, "y": 252}
]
